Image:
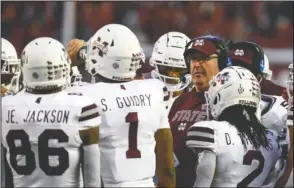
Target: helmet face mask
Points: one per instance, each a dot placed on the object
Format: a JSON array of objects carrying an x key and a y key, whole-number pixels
[
  {"x": 10, "y": 63},
  {"x": 168, "y": 59},
  {"x": 10, "y": 67},
  {"x": 170, "y": 76},
  {"x": 76, "y": 77}
]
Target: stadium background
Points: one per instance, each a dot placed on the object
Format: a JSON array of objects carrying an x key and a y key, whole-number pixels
[{"x": 270, "y": 24}]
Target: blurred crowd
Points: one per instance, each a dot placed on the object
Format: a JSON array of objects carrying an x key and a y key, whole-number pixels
[{"x": 269, "y": 24}]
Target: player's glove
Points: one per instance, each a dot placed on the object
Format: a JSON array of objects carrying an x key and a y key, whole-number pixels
[{"x": 73, "y": 49}]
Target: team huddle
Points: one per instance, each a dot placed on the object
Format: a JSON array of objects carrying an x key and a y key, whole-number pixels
[{"x": 200, "y": 113}]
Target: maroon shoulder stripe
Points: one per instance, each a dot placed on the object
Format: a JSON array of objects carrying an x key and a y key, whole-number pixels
[
  {"x": 89, "y": 107},
  {"x": 87, "y": 117}
]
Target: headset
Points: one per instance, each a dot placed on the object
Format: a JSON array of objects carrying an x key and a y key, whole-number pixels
[{"x": 224, "y": 59}]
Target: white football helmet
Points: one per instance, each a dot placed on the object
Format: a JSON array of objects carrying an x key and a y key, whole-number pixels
[
  {"x": 45, "y": 64},
  {"x": 267, "y": 73},
  {"x": 10, "y": 63},
  {"x": 168, "y": 59},
  {"x": 114, "y": 52},
  {"x": 232, "y": 86}
]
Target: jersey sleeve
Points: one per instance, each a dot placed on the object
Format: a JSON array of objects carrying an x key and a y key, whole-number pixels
[
  {"x": 89, "y": 134},
  {"x": 89, "y": 121},
  {"x": 201, "y": 136},
  {"x": 89, "y": 116}
]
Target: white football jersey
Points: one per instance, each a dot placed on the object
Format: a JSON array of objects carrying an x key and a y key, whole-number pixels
[
  {"x": 274, "y": 115},
  {"x": 40, "y": 134},
  {"x": 236, "y": 165},
  {"x": 131, "y": 113},
  {"x": 273, "y": 112},
  {"x": 290, "y": 124}
]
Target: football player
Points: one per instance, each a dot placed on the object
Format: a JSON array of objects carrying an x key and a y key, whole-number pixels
[
  {"x": 10, "y": 68},
  {"x": 287, "y": 177},
  {"x": 48, "y": 133},
  {"x": 229, "y": 146},
  {"x": 204, "y": 57},
  {"x": 273, "y": 110},
  {"x": 168, "y": 59},
  {"x": 134, "y": 120}
]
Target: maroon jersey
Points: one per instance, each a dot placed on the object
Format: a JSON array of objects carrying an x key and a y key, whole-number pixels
[
  {"x": 186, "y": 110},
  {"x": 270, "y": 88}
]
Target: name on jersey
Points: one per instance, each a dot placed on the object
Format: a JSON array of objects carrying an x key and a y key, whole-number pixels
[
  {"x": 190, "y": 116},
  {"x": 246, "y": 141},
  {"x": 41, "y": 116},
  {"x": 123, "y": 102}
]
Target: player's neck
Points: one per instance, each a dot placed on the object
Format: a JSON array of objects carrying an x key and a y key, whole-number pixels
[{"x": 200, "y": 89}]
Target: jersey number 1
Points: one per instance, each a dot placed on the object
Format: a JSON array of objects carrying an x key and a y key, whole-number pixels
[{"x": 132, "y": 119}]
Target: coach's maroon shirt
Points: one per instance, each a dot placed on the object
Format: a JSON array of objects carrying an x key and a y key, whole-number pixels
[{"x": 186, "y": 110}]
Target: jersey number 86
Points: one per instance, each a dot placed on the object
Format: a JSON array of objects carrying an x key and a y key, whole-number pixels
[{"x": 44, "y": 152}]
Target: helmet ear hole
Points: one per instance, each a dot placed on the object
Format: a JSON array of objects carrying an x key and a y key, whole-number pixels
[{"x": 216, "y": 99}]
